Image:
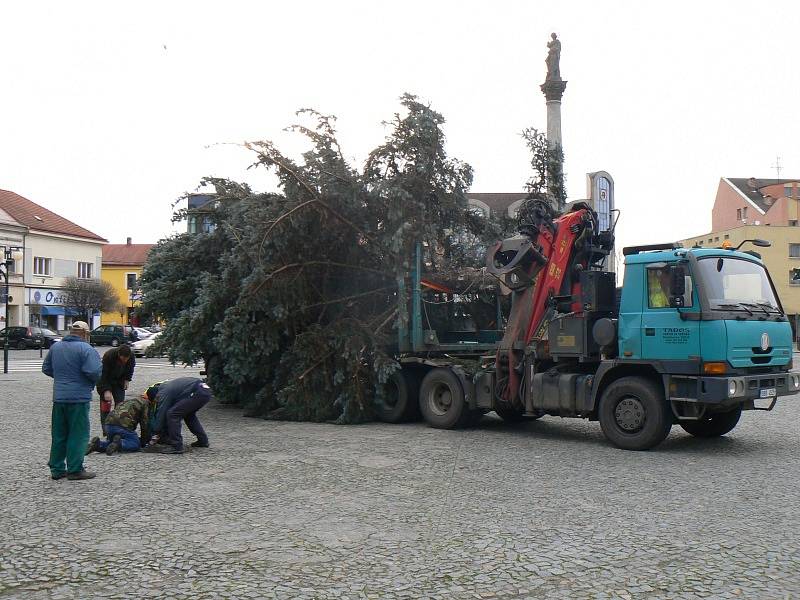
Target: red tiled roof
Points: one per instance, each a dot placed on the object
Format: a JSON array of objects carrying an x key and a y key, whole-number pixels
[
  {"x": 37, "y": 217},
  {"x": 126, "y": 254},
  {"x": 751, "y": 188}
]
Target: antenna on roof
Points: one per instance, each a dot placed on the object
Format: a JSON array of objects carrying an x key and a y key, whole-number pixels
[{"x": 777, "y": 166}]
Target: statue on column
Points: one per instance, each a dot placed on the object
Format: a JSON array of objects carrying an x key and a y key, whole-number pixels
[{"x": 553, "y": 56}]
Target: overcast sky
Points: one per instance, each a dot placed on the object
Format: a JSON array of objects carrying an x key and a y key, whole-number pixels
[{"x": 110, "y": 111}]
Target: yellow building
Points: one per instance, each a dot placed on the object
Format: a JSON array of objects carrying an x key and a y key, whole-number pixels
[
  {"x": 122, "y": 268},
  {"x": 782, "y": 258}
]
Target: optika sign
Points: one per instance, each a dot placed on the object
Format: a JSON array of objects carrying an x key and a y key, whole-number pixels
[{"x": 48, "y": 297}]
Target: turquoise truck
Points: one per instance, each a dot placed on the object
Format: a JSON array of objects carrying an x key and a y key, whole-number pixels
[{"x": 693, "y": 337}]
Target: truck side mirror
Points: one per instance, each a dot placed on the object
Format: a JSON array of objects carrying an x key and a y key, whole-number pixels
[{"x": 677, "y": 285}]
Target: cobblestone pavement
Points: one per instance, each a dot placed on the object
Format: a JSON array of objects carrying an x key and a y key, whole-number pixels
[{"x": 287, "y": 510}]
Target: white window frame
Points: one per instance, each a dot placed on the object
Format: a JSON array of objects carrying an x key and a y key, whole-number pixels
[
  {"x": 43, "y": 261},
  {"x": 797, "y": 246},
  {"x": 88, "y": 270}
]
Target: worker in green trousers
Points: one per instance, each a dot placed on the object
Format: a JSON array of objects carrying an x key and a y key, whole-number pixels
[{"x": 75, "y": 368}]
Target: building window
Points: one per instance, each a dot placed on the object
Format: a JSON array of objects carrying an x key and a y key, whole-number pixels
[
  {"x": 727, "y": 236},
  {"x": 12, "y": 266},
  {"x": 130, "y": 281},
  {"x": 716, "y": 239},
  {"x": 794, "y": 250},
  {"x": 738, "y": 214},
  {"x": 787, "y": 190},
  {"x": 794, "y": 277},
  {"x": 85, "y": 270},
  {"x": 744, "y": 212},
  {"x": 710, "y": 240},
  {"x": 192, "y": 223},
  {"x": 42, "y": 266},
  {"x": 208, "y": 225}
]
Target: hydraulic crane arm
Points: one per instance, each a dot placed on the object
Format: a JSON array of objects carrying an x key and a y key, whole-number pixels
[{"x": 541, "y": 267}]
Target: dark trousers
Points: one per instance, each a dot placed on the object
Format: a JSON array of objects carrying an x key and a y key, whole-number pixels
[
  {"x": 119, "y": 397},
  {"x": 186, "y": 410},
  {"x": 69, "y": 436}
]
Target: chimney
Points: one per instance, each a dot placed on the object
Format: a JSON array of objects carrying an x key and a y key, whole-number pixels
[{"x": 128, "y": 241}]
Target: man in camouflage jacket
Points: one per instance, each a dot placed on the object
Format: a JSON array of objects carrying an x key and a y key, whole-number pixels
[{"x": 121, "y": 426}]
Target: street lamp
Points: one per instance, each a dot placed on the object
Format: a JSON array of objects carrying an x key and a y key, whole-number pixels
[{"x": 8, "y": 260}]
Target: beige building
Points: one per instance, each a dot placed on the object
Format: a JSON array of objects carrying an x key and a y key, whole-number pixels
[
  {"x": 782, "y": 258},
  {"x": 53, "y": 248}
]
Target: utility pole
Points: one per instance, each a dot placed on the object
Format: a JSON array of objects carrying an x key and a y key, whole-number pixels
[
  {"x": 777, "y": 166},
  {"x": 8, "y": 260}
]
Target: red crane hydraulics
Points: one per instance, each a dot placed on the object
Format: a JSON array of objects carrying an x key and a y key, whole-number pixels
[{"x": 541, "y": 267}]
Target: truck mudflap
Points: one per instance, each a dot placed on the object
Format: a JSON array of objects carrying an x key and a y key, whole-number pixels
[{"x": 758, "y": 392}]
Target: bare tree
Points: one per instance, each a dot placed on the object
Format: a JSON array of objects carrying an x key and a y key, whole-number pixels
[{"x": 84, "y": 296}]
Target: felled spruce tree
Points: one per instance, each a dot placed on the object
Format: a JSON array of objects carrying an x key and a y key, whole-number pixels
[{"x": 291, "y": 300}]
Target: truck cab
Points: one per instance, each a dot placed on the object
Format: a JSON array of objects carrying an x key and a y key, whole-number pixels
[{"x": 706, "y": 328}]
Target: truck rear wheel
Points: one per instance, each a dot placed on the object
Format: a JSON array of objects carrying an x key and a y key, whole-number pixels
[
  {"x": 633, "y": 414},
  {"x": 400, "y": 401},
  {"x": 441, "y": 400},
  {"x": 715, "y": 425}
]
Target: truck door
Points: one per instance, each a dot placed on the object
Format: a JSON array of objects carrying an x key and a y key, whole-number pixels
[{"x": 665, "y": 335}]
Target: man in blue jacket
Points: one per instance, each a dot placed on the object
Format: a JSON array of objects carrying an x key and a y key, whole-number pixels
[
  {"x": 178, "y": 400},
  {"x": 75, "y": 368}
]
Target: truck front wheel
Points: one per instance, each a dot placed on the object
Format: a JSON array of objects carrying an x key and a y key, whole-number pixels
[
  {"x": 633, "y": 414},
  {"x": 441, "y": 400},
  {"x": 715, "y": 425}
]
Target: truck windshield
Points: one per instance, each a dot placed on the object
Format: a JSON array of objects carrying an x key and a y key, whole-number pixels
[{"x": 736, "y": 284}]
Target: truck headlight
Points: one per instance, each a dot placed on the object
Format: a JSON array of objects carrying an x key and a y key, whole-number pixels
[{"x": 735, "y": 388}]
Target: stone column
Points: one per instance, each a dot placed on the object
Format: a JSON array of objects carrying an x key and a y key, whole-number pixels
[{"x": 553, "y": 90}]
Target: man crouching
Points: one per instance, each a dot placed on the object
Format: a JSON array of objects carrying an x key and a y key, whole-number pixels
[{"x": 121, "y": 426}]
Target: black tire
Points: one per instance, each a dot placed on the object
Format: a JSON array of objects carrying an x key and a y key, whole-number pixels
[
  {"x": 400, "y": 401},
  {"x": 441, "y": 400},
  {"x": 114, "y": 342},
  {"x": 633, "y": 414},
  {"x": 21, "y": 345},
  {"x": 714, "y": 425}
]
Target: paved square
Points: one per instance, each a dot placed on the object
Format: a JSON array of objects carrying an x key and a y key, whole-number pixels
[{"x": 294, "y": 510}]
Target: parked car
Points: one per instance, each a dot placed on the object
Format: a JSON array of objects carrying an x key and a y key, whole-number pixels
[
  {"x": 142, "y": 333},
  {"x": 28, "y": 337},
  {"x": 140, "y": 348},
  {"x": 112, "y": 335}
]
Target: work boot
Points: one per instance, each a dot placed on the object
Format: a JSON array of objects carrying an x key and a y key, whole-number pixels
[
  {"x": 172, "y": 450},
  {"x": 199, "y": 444},
  {"x": 92, "y": 447},
  {"x": 81, "y": 475},
  {"x": 59, "y": 476},
  {"x": 114, "y": 445}
]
